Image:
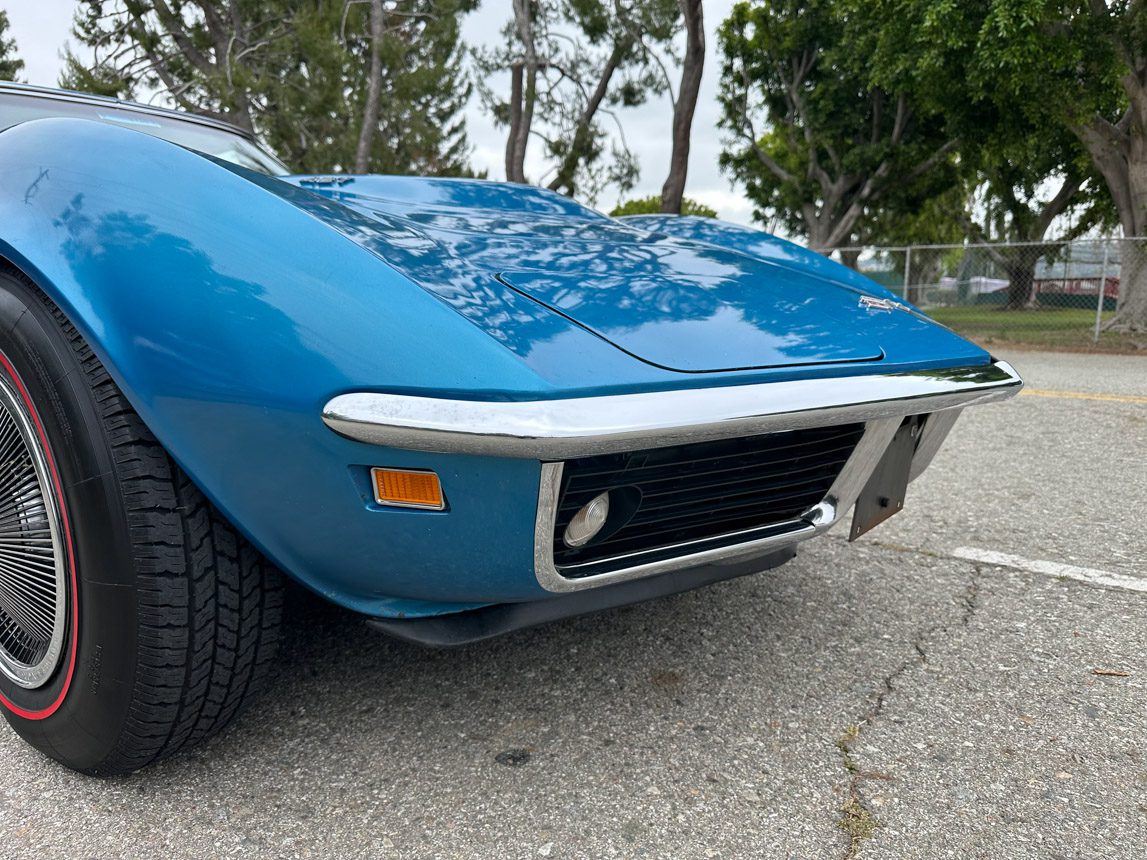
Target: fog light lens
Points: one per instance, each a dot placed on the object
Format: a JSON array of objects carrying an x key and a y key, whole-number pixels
[
  {"x": 587, "y": 522},
  {"x": 406, "y": 488}
]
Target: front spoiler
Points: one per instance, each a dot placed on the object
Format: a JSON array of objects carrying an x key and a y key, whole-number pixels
[
  {"x": 464, "y": 628},
  {"x": 583, "y": 426}
]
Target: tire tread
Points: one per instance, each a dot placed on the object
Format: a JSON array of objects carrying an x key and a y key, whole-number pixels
[{"x": 209, "y": 605}]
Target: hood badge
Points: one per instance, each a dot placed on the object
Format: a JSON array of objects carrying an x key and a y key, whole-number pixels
[
  {"x": 333, "y": 179},
  {"x": 873, "y": 303}
]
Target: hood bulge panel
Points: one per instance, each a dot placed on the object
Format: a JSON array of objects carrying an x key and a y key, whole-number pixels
[
  {"x": 699, "y": 309},
  {"x": 673, "y": 302}
]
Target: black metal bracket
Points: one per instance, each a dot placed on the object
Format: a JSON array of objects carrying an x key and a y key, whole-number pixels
[{"x": 883, "y": 495}]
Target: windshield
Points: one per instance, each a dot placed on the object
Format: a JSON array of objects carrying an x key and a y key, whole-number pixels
[{"x": 220, "y": 143}]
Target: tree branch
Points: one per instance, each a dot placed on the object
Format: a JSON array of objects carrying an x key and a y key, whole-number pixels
[
  {"x": 174, "y": 27},
  {"x": 1057, "y": 205},
  {"x": 580, "y": 140}
]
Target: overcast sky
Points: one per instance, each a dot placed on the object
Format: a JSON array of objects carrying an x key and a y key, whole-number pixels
[{"x": 41, "y": 27}]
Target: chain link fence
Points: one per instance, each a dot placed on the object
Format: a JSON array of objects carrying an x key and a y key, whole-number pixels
[{"x": 1050, "y": 295}]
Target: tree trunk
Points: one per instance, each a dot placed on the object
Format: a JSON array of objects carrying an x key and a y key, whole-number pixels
[
  {"x": 851, "y": 258},
  {"x": 1119, "y": 150},
  {"x": 817, "y": 234},
  {"x": 673, "y": 192},
  {"x": 1131, "y": 310},
  {"x": 514, "y": 165},
  {"x": 373, "y": 90},
  {"x": 240, "y": 115},
  {"x": 1021, "y": 281},
  {"x": 523, "y": 94},
  {"x": 1131, "y": 313}
]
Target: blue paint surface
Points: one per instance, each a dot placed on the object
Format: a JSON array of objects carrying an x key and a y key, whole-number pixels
[{"x": 231, "y": 306}]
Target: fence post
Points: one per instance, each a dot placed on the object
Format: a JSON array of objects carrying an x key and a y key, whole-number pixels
[
  {"x": 907, "y": 268},
  {"x": 1102, "y": 291}
]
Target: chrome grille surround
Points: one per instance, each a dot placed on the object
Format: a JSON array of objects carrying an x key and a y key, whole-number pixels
[
  {"x": 816, "y": 520},
  {"x": 705, "y": 493}
]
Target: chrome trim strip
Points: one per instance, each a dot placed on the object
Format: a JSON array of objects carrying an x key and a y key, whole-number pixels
[
  {"x": 36, "y": 566},
  {"x": 818, "y": 519},
  {"x": 740, "y": 538},
  {"x": 575, "y": 427},
  {"x": 113, "y": 103}
]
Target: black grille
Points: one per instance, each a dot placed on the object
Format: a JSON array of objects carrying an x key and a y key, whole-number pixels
[{"x": 709, "y": 491}]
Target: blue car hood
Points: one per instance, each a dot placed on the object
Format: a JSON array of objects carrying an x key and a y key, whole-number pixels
[
  {"x": 676, "y": 303},
  {"x": 695, "y": 309}
]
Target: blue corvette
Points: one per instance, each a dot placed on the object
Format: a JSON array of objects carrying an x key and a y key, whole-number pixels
[{"x": 456, "y": 407}]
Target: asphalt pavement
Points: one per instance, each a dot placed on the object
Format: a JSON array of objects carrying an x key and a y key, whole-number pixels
[{"x": 969, "y": 680}]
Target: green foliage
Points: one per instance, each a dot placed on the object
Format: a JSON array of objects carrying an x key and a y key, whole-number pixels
[
  {"x": 102, "y": 80},
  {"x": 930, "y": 213},
  {"x": 295, "y": 71},
  {"x": 995, "y": 83},
  {"x": 10, "y": 64},
  {"x": 319, "y": 97},
  {"x": 652, "y": 206},
  {"x": 991, "y": 67},
  {"x": 1024, "y": 84},
  {"x": 818, "y": 145}
]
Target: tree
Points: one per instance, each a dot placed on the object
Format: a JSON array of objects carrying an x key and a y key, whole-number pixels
[
  {"x": 1027, "y": 185},
  {"x": 10, "y": 64},
  {"x": 330, "y": 84},
  {"x": 653, "y": 206},
  {"x": 685, "y": 105},
  {"x": 1024, "y": 174},
  {"x": 205, "y": 55},
  {"x": 1078, "y": 66},
  {"x": 523, "y": 90},
  {"x": 571, "y": 62},
  {"x": 101, "y": 79},
  {"x": 372, "y": 87},
  {"x": 813, "y": 141}
]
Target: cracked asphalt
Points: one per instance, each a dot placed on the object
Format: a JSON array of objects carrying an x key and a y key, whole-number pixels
[{"x": 882, "y": 699}]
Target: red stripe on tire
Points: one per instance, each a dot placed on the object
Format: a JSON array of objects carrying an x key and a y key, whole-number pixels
[{"x": 74, "y": 597}]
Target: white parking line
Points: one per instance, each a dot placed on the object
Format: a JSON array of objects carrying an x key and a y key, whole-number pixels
[
  {"x": 1084, "y": 395},
  {"x": 1052, "y": 568}
]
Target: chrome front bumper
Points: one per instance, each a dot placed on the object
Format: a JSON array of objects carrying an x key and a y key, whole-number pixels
[
  {"x": 556, "y": 430},
  {"x": 580, "y": 426}
]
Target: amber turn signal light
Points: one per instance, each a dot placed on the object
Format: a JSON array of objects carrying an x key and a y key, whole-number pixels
[{"x": 406, "y": 488}]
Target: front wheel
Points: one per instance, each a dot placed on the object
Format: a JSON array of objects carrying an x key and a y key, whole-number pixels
[{"x": 134, "y": 620}]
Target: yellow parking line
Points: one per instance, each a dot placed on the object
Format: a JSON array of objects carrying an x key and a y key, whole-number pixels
[{"x": 1084, "y": 395}]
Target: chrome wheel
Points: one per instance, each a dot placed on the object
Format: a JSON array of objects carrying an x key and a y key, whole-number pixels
[{"x": 33, "y": 582}]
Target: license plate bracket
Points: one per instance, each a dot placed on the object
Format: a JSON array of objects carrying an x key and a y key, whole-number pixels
[{"x": 883, "y": 495}]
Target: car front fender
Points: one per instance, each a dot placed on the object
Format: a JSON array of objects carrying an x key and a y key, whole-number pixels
[{"x": 229, "y": 317}]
